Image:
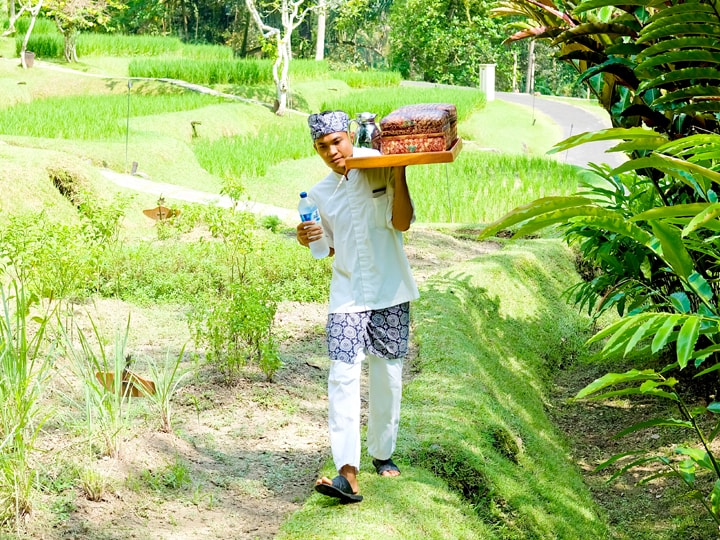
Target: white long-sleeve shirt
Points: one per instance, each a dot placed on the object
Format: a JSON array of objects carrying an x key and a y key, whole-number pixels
[{"x": 370, "y": 268}]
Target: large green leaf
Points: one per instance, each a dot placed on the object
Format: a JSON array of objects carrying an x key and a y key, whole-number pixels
[
  {"x": 672, "y": 30},
  {"x": 611, "y": 379},
  {"x": 625, "y": 332},
  {"x": 690, "y": 74},
  {"x": 679, "y": 210},
  {"x": 687, "y": 338},
  {"x": 591, "y": 216},
  {"x": 595, "y": 28},
  {"x": 531, "y": 210},
  {"x": 701, "y": 107},
  {"x": 679, "y": 16},
  {"x": 634, "y": 145},
  {"x": 668, "y": 164},
  {"x": 620, "y": 67},
  {"x": 650, "y": 326},
  {"x": 597, "y": 4},
  {"x": 710, "y": 213},
  {"x": 702, "y": 288},
  {"x": 665, "y": 331},
  {"x": 691, "y": 144},
  {"x": 613, "y": 328},
  {"x": 689, "y": 42},
  {"x": 607, "y": 135},
  {"x": 673, "y": 248},
  {"x": 678, "y": 56},
  {"x": 689, "y": 92},
  {"x": 698, "y": 455}
]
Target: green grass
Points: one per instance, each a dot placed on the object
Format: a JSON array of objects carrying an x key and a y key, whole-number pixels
[
  {"x": 511, "y": 128},
  {"x": 480, "y": 187},
  {"x": 383, "y": 100},
  {"x": 93, "y": 117},
  {"x": 490, "y": 333}
]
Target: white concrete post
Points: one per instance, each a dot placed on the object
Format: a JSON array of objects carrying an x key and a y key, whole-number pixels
[{"x": 487, "y": 80}]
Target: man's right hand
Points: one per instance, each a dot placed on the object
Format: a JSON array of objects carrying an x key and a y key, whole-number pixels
[{"x": 308, "y": 231}]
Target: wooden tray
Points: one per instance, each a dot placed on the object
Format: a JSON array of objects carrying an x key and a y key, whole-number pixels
[{"x": 396, "y": 160}]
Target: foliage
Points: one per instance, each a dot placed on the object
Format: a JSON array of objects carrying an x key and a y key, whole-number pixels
[
  {"x": 357, "y": 33},
  {"x": 106, "y": 398},
  {"x": 625, "y": 52},
  {"x": 72, "y": 16},
  {"x": 236, "y": 329},
  {"x": 25, "y": 368},
  {"x": 444, "y": 42},
  {"x": 55, "y": 260},
  {"x": 650, "y": 225},
  {"x": 150, "y": 272},
  {"x": 167, "y": 379},
  {"x": 235, "y": 320}
]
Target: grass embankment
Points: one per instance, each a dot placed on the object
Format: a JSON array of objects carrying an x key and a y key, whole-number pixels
[{"x": 479, "y": 455}]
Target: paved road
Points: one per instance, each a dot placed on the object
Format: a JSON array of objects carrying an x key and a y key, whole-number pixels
[{"x": 573, "y": 121}]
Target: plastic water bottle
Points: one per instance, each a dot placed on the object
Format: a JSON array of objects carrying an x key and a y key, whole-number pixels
[{"x": 309, "y": 212}]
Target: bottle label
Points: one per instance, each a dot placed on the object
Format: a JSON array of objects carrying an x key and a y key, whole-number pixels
[{"x": 313, "y": 216}]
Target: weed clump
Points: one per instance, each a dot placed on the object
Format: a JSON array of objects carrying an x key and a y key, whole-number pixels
[
  {"x": 457, "y": 468},
  {"x": 71, "y": 184}
]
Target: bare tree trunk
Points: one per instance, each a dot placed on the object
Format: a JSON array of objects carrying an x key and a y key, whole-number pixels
[
  {"x": 282, "y": 64},
  {"x": 320, "y": 38},
  {"x": 15, "y": 16},
  {"x": 33, "y": 13},
  {"x": 530, "y": 80},
  {"x": 70, "y": 46}
]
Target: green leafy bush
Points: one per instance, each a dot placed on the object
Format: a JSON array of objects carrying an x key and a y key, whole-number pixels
[{"x": 650, "y": 225}]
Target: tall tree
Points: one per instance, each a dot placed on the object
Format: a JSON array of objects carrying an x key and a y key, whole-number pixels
[
  {"x": 72, "y": 16},
  {"x": 443, "y": 41},
  {"x": 292, "y": 14}
]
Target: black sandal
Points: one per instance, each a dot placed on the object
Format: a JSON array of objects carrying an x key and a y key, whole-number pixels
[
  {"x": 384, "y": 465},
  {"x": 340, "y": 489}
]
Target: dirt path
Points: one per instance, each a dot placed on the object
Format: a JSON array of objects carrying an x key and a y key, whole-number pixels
[{"x": 172, "y": 191}]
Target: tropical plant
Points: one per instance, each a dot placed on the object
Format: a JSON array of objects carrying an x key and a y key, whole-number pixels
[
  {"x": 648, "y": 62},
  {"x": 650, "y": 226}
]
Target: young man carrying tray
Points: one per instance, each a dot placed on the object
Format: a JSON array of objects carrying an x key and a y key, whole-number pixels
[{"x": 364, "y": 213}]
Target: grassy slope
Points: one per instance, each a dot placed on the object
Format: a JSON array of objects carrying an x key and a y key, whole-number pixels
[{"x": 489, "y": 333}]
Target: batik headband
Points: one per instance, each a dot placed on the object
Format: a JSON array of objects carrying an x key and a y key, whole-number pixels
[{"x": 327, "y": 122}]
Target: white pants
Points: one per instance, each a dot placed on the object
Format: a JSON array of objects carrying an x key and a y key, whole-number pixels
[{"x": 385, "y": 392}]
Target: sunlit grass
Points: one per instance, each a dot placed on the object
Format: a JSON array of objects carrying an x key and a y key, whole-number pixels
[
  {"x": 480, "y": 187},
  {"x": 91, "y": 117}
]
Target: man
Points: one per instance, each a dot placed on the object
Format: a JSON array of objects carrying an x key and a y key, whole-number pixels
[{"x": 363, "y": 214}]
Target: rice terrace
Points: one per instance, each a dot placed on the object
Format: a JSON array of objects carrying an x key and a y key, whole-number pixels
[{"x": 163, "y": 357}]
